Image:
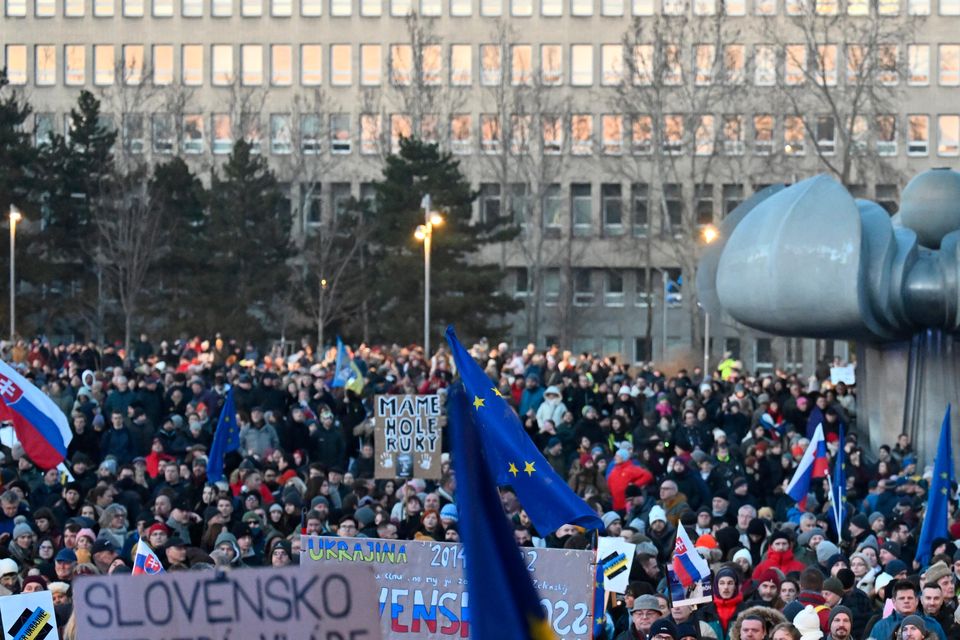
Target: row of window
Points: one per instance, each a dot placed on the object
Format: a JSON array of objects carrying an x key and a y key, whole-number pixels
[
  {"x": 638, "y": 134},
  {"x": 275, "y": 64},
  {"x": 464, "y": 8}
]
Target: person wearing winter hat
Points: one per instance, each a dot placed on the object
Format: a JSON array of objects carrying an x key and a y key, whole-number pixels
[
  {"x": 644, "y": 612},
  {"x": 780, "y": 555},
  {"x": 807, "y": 623},
  {"x": 841, "y": 623},
  {"x": 856, "y": 600},
  {"x": 727, "y": 601},
  {"x": 767, "y": 589},
  {"x": 449, "y": 515},
  {"x": 612, "y": 523},
  {"x": 60, "y": 592},
  {"x": 825, "y": 551},
  {"x": 663, "y": 629},
  {"x": 744, "y": 560},
  {"x": 32, "y": 584},
  {"x": 832, "y": 591},
  {"x": 9, "y": 575},
  {"x": 661, "y": 532},
  {"x": 687, "y": 631},
  {"x": 552, "y": 407}
]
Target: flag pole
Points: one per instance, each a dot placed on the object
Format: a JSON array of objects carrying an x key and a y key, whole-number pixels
[{"x": 833, "y": 502}]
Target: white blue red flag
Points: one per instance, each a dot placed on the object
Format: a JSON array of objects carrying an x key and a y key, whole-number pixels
[
  {"x": 40, "y": 425},
  {"x": 146, "y": 561},
  {"x": 688, "y": 564},
  {"x": 813, "y": 464}
]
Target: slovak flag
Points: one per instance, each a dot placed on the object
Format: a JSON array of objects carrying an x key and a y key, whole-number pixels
[
  {"x": 813, "y": 464},
  {"x": 40, "y": 425},
  {"x": 146, "y": 561},
  {"x": 688, "y": 564}
]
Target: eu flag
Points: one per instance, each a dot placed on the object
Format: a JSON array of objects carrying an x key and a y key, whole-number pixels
[
  {"x": 938, "y": 500},
  {"x": 512, "y": 456},
  {"x": 839, "y": 486},
  {"x": 225, "y": 439},
  {"x": 503, "y": 602}
]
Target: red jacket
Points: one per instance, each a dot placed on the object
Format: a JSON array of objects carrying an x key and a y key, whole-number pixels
[
  {"x": 623, "y": 474},
  {"x": 780, "y": 560}
]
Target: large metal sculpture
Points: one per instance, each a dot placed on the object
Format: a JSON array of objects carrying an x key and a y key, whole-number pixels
[{"x": 809, "y": 260}]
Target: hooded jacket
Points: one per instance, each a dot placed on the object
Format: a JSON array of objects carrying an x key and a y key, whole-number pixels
[
  {"x": 226, "y": 536},
  {"x": 770, "y": 616}
]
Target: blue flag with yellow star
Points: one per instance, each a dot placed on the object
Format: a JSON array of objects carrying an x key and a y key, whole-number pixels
[
  {"x": 513, "y": 457},
  {"x": 225, "y": 439},
  {"x": 938, "y": 502},
  {"x": 503, "y": 601}
]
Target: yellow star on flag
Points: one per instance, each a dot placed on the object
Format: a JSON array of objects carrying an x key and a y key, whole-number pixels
[
  {"x": 528, "y": 468},
  {"x": 497, "y": 392},
  {"x": 477, "y": 402},
  {"x": 513, "y": 469}
]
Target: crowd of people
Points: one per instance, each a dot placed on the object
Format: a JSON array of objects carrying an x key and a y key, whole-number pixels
[{"x": 650, "y": 451}]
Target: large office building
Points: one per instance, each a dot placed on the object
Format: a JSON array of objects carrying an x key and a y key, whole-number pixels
[{"x": 613, "y": 131}]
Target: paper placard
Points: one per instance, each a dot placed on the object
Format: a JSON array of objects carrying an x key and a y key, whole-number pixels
[{"x": 407, "y": 437}]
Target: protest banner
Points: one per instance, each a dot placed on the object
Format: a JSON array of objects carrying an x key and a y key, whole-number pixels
[
  {"x": 696, "y": 593},
  {"x": 616, "y": 555},
  {"x": 846, "y": 374},
  {"x": 407, "y": 439},
  {"x": 422, "y": 586},
  {"x": 29, "y": 616},
  {"x": 292, "y": 603}
]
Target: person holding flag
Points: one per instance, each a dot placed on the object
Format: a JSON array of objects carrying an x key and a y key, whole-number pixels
[
  {"x": 225, "y": 439},
  {"x": 146, "y": 562},
  {"x": 813, "y": 464},
  {"x": 688, "y": 565},
  {"x": 40, "y": 425},
  {"x": 935, "y": 520}
]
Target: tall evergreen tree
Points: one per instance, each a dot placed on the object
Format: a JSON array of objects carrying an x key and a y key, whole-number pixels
[
  {"x": 248, "y": 248},
  {"x": 462, "y": 292}
]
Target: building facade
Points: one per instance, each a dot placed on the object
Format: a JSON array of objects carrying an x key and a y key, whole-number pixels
[{"x": 612, "y": 131}]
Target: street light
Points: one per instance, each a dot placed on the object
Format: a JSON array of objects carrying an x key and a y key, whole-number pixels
[
  {"x": 424, "y": 233},
  {"x": 15, "y": 217},
  {"x": 710, "y": 234}
]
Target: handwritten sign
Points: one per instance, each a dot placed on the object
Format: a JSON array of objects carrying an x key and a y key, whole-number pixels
[
  {"x": 422, "y": 587},
  {"x": 408, "y": 438},
  {"x": 29, "y": 616},
  {"x": 293, "y": 603},
  {"x": 616, "y": 555}
]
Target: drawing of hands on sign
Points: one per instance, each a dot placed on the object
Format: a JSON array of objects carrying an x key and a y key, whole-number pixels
[
  {"x": 426, "y": 460},
  {"x": 386, "y": 460}
]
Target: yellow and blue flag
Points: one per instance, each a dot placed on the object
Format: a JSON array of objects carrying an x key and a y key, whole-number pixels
[
  {"x": 512, "y": 456},
  {"x": 938, "y": 502},
  {"x": 503, "y": 601},
  {"x": 225, "y": 439}
]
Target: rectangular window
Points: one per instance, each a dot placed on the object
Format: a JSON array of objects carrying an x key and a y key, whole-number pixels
[
  {"x": 551, "y": 8},
  {"x": 793, "y": 136},
  {"x": 950, "y": 7},
  {"x": 340, "y": 195},
  {"x": 704, "y": 136},
  {"x": 581, "y": 134},
  {"x": 222, "y": 8},
  {"x": 643, "y": 65},
  {"x": 163, "y": 131},
  {"x": 104, "y": 65},
  {"x": 133, "y": 8},
  {"x": 222, "y": 55},
  {"x": 491, "y": 65},
  {"x": 795, "y": 64},
  {"x": 521, "y": 8},
  {"x": 222, "y": 133},
  {"x": 826, "y": 65},
  {"x": 611, "y": 7},
  {"x": 581, "y": 208},
  {"x": 340, "y": 139},
  {"x": 612, "y": 126},
  {"x": 703, "y": 202},
  {"x": 521, "y": 126},
  {"x": 430, "y": 128},
  {"x": 342, "y": 8},
  {"x": 251, "y": 65},
  {"x": 77, "y": 8},
  {"x": 461, "y": 8},
  {"x": 581, "y": 65},
  {"x": 191, "y": 8},
  {"x": 640, "y": 209},
  {"x": 491, "y": 8},
  {"x": 735, "y": 7},
  {"x": 888, "y": 68},
  {"x": 918, "y": 135},
  {"x": 44, "y": 126},
  {"x": 162, "y": 59},
  {"x": 521, "y": 64},
  {"x": 611, "y": 65},
  {"x": 763, "y": 134},
  {"x": 431, "y": 8},
  {"x": 401, "y": 127},
  {"x": 642, "y": 7},
  {"x": 281, "y": 65},
  {"x": 704, "y": 59},
  {"x": 672, "y": 135},
  {"x": 251, "y": 8},
  {"x": 672, "y": 208},
  {"x": 45, "y": 65},
  {"x": 132, "y": 64},
  {"x": 281, "y": 8},
  {"x": 888, "y": 7},
  {"x": 611, "y": 208},
  {"x": 371, "y": 64},
  {"x": 918, "y": 62},
  {"x": 734, "y": 63},
  {"x": 948, "y": 135},
  {"x": 551, "y": 287},
  {"x": 491, "y": 136},
  {"x": 949, "y": 70},
  {"x": 134, "y": 133},
  {"x": 856, "y": 63},
  {"x": 732, "y": 197},
  {"x": 461, "y": 65},
  {"x": 252, "y": 134},
  {"x": 341, "y": 65},
  {"x": 431, "y": 64},
  {"x": 461, "y": 133},
  {"x": 281, "y": 136},
  {"x": 581, "y": 7},
  {"x": 191, "y": 59},
  {"x": 311, "y": 64},
  {"x": 489, "y": 202},
  {"x": 887, "y": 197},
  {"x": 826, "y": 135},
  {"x": 765, "y": 65},
  {"x": 399, "y": 8},
  {"x": 74, "y": 65},
  {"x": 674, "y": 7},
  {"x": 521, "y": 283},
  {"x": 858, "y": 7},
  {"x": 733, "y": 135},
  {"x": 192, "y": 134},
  {"x": 44, "y": 8},
  {"x": 886, "y": 132},
  {"x": 162, "y": 8},
  {"x": 551, "y": 64},
  {"x": 369, "y": 133},
  {"x": 16, "y": 8},
  {"x": 765, "y": 7},
  {"x": 859, "y": 135},
  {"x": 520, "y": 205},
  {"x": 311, "y": 134},
  {"x": 401, "y": 64},
  {"x": 704, "y": 7},
  {"x": 15, "y": 57},
  {"x": 552, "y": 127},
  {"x": 613, "y": 295},
  {"x": 672, "y": 65},
  {"x": 918, "y": 7},
  {"x": 371, "y": 8},
  {"x": 642, "y": 135},
  {"x": 826, "y": 7},
  {"x": 311, "y": 8}
]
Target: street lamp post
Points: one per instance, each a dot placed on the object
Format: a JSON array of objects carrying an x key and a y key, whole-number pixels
[
  {"x": 15, "y": 217},
  {"x": 710, "y": 233},
  {"x": 424, "y": 233}
]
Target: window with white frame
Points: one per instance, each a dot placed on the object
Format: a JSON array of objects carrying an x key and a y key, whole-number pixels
[
  {"x": 826, "y": 65},
  {"x": 581, "y": 134},
  {"x": 222, "y": 133},
  {"x": 521, "y": 64},
  {"x": 734, "y": 64},
  {"x": 191, "y": 60},
  {"x": 704, "y": 59},
  {"x": 888, "y": 64},
  {"x": 401, "y": 127},
  {"x": 251, "y": 8},
  {"x": 581, "y": 208},
  {"x": 281, "y": 65},
  {"x": 430, "y": 128},
  {"x": 16, "y": 8},
  {"x": 431, "y": 64},
  {"x": 795, "y": 64},
  {"x": 78, "y": 8},
  {"x": 371, "y": 8},
  {"x": 461, "y": 133},
  {"x": 705, "y": 135},
  {"x": 611, "y": 65},
  {"x": 251, "y": 65},
  {"x": 642, "y": 7},
  {"x": 613, "y": 295},
  {"x": 794, "y": 135},
  {"x": 918, "y": 64},
  {"x": 856, "y": 63},
  {"x": 948, "y": 73},
  {"x": 886, "y": 133},
  {"x": 431, "y": 8},
  {"x": 134, "y": 133},
  {"x": 643, "y": 60},
  {"x": 551, "y": 64},
  {"x": 133, "y": 8},
  {"x": 74, "y": 65},
  {"x": 311, "y": 64},
  {"x": 44, "y": 126},
  {"x": 552, "y": 132},
  {"x": 672, "y": 135},
  {"x": 222, "y": 60},
  {"x": 888, "y": 7},
  {"x": 192, "y": 134},
  {"x": 222, "y": 8},
  {"x": 491, "y": 135},
  {"x": 104, "y": 64},
  {"x": 551, "y": 8},
  {"x": 918, "y": 7},
  {"x": 191, "y": 8},
  {"x": 311, "y": 8},
  {"x": 826, "y": 132},
  {"x": 704, "y": 7},
  {"x": 311, "y": 134},
  {"x": 673, "y": 7},
  {"x": 763, "y": 134},
  {"x": 399, "y": 8},
  {"x": 859, "y": 135},
  {"x": 162, "y": 8},
  {"x": 491, "y": 8},
  {"x": 163, "y": 133},
  {"x": 341, "y": 8},
  {"x": 733, "y": 138},
  {"x": 612, "y": 132},
  {"x": 765, "y": 7},
  {"x": 950, "y": 7},
  {"x": 461, "y": 65},
  {"x": 281, "y": 8},
  {"x": 581, "y": 7},
  {"x": 641, "y": 135},
  {"x": 765, "y": 65},
  {"x": 161, "y": 57},
  {"x": 551, "y": 287},
  {"x": 521, "y": 128},
  {"x": 918, "y": 134},
  {"x": 491, "y": 65},
  {"x": 132, "y": 64},
  {"x": 461, "y": 8},
  {"x": 103, "y": 8},
  {"x": 370, "y": 133},
  {"x": 672, "y": 65},
  {"x": 401, "y": 64},
  {"x": 45, "y": 8},
  {"x": 611, "y": 209},
  {"x": 521, "y": 8},
  {"x": 490, "y": 202},
  {"x": 735, "y": 7},
  {"x": 611, "y": 8},
  {"x": 371, "y": 65},
  {"x": 858, "y": 7},
  {"x": 341, "y": 65},
  {"x": 252, "y": 133},
  {"x": 948, "y": 135}
]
